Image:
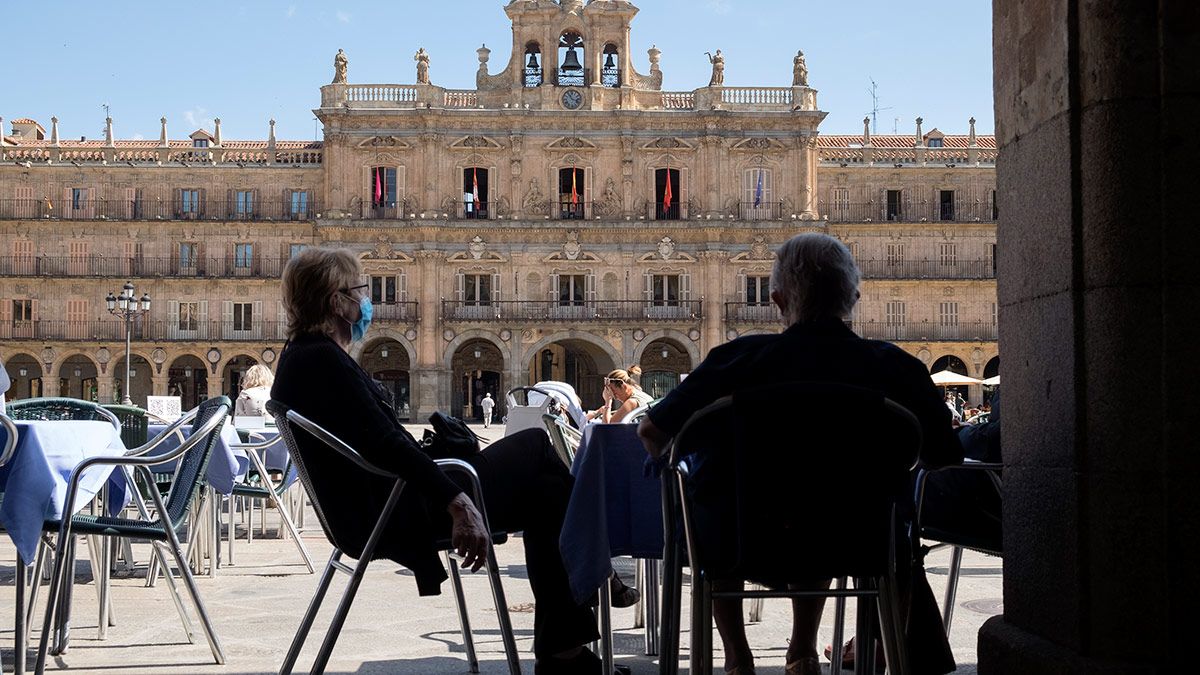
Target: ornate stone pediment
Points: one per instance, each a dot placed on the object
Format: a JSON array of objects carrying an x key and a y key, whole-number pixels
[
  {"x": 384, "y": 142},
  {"x": 666, "y": 250},
  {"x": 477, "y": 250},
  {"x": 573, "y": 143},
  {"x": 759, "y": 144},
  {"x": 572, "y": 251},
  {"x": 759, "y": 250},
  {"x": 475, "y": 143},
  {"x": 384, "y": 249},
  {"x": 668, "y": 143}
]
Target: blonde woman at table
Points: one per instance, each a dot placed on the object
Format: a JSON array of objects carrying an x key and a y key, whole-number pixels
[
  {"x": 621, "y": 386},
  {"x": 256, "y": 391},
  {"x": 525, "y": 486}
]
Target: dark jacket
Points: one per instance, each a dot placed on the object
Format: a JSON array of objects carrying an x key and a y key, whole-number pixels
[
  {"x": 319, "y": 380},
  {"x": 819, "y": 351}
]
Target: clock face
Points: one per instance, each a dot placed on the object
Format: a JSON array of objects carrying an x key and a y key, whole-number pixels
[{"x": 572, "y": 99}]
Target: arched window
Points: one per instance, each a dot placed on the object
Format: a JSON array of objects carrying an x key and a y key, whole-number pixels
[
  {"x": 533, "y": 69},
  {"x": 610, "y": 73},
  {"x": 571, "y": 72}
]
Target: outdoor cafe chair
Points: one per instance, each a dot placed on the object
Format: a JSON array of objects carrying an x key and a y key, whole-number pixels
[
  {"x": 19, "y": 634},
  {"x": 564, "y": 437},
  {"x": 262, "y": 486},
  {"x": 982, "y": 540},
  {"x": 163, "y": 531},
  {"x": 292, "y": 424},
  {"x": 834, "y": 475}
]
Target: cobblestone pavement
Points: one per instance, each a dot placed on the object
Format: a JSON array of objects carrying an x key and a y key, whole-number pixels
[{"x": 257, "y": 603}]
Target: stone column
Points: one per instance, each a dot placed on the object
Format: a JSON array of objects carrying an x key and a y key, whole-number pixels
[
  {"x": 1095, "y": 108},
  {"x": 428, "y": 371},
  {"x": 714, "y": 301},
  {"x": 216, "y": 384}
]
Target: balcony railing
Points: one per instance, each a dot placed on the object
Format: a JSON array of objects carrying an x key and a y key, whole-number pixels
[
  {"x": 553, "y": 310},
  {"x": 399, "y": 312},
  {"x": 760, "y": 211},
  {"x": 671, "y": 212},
  {"x": 973, "y": 331},
  {"x": 471, "y": 211},
  {"x": 907, "y": 212},
  {"x": 156, "y": 209},
  {"x": 573, "y": 78},
  {"x": 569, "y": 210},
  {"x": 753, "y": 313},
  {"x": 112, "y": 330},
  {"x": 94, "y": 265},
  {"x": 979, "y": 268}
]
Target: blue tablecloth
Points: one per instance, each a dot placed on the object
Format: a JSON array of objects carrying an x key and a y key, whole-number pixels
[
  {"x": 226, "y": 465},
  {"x": 35, "y": 480},
  {"x": 614, "y": 508},
  {"x": 276, "y": 458}
]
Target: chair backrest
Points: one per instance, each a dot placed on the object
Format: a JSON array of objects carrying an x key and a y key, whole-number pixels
[
  {"x": 54, "y": 408},
  {"x": 10, "y": 439},
  {"x": 564, "y": 437},
  {"x": 134, "y": 424},
  {"x": 189, "y": 474},
  {"x": 812, "y": 498}
]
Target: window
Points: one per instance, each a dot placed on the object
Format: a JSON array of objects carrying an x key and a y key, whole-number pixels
[
  {"x": 475, "y": 192},
  {"x": 667, "y": 194},
  {"x": 841, "y": 204},
  {"x": 243, "y": 204},
  {"x": 572, "y": 193},
  {"x": 895, "y": 209},
  {"x": 991, "y": 258},
  {"x": 947, "y": 254},
  {"x": 895, "y": 313},
  {"x": 243, "y": 315},
  {"x": 664, "y": 289},
  {"x": 995, "y": 314},
  {"x": 477, "y": 289},
  {"x": 383, "y": 187},
  {"x": 758, "y": 290},
  {"x": 934, "y": 143},
  {"x": 189, "y": 201},
  {"x": 78, "y": 198},
  {"x": 571, "y": 72},
  {"x": 300, "y": 201},
  {"x": 188, "y": 255},
  {"x": 610, "y": 73},
  {"x": 995, "y": 207},
  {"x": 22, "y": 310},
  {"x": 946, "y": 204},
  {"x": 295, "y": 249},
  {"x": 199, "y": 142},
  {"x": 533, "y": 69},
  {"x": 758, "y": 193},
  {"x": 189, "y": 316},
  {"x": 947, "y": 314},
  {"x": 243, "y": 256},
  {"x": 571, "y": 289},
  {"x": 383, "y": 290},
  {"x": 895, "y": 254}
]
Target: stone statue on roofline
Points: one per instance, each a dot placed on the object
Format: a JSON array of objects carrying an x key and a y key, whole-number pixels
[
  {"x": 718, "y": 72},
  {"x": 422, "y": 59},
  {"x": 340, "y": 65},
  {"x": 799, "y": 70}
]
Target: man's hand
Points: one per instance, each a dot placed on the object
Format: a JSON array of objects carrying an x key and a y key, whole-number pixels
[
  {"x": 468, "y": 536},
  {"x": 653, "y": 438}
]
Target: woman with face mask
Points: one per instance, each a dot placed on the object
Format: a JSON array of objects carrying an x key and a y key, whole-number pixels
[{"x": 525, "y": 485}]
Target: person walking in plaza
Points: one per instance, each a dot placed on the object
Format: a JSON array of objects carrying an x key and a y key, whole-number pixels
[
  {"x": 488, "y": 404},
  {"x": 814, "y": 283},
  {"x": 525, "y": 486}
]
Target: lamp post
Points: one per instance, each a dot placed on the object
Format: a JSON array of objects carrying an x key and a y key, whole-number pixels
[{"x": 125, "y": 307}]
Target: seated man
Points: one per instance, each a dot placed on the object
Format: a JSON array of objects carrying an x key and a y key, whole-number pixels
[
  {"x": 815, "y": 284},
  {"x": 966, "y": 503}
]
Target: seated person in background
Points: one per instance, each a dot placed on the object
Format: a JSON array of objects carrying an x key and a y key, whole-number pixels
[
  {"x": 256, "y": 391},
  {"x": 526, "y": 487},
  {"x": 621, "y": 386},
  {"x": 815, "y": 284},
  {"x": 967, "y": 502}
]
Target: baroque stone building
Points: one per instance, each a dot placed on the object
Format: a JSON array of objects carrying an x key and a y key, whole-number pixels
[{"x": 565, "y": 217}]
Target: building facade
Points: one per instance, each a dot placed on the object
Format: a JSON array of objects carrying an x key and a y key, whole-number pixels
[{"x": 565, "y": 217}]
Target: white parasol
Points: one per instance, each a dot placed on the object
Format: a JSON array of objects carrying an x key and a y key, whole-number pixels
[
  {"x": 992, "y": 381},
  {"x": 946, "y": 378}
]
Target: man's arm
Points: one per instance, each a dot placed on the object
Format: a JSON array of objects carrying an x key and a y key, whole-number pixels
[{"x": 653, "y": 439}]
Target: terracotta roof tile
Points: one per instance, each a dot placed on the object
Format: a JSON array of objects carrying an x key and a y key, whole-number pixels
[{"x": 900, "y": 141}]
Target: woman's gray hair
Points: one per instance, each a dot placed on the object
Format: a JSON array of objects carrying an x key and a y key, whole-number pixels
[{"x": 817, "y": 277}]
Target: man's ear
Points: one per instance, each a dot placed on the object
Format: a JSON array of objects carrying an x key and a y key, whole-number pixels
[{"x": 780, "y": 302}]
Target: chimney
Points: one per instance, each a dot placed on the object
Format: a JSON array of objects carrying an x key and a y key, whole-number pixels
[
  {"x": 108, "y": 132},
  {"x": 54, "y": 131},
  {"x": 162, "y": 135},
  {"x": 972, "y": 146},
  {"x": 866, "y": 131},
  {"x": 920, "y": 137},
  {"x": 217, "y": 132},
  {"x": 972, "y": 123}
]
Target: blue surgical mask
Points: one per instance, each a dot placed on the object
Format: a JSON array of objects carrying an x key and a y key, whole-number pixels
[{"x": 358, "y": 329}]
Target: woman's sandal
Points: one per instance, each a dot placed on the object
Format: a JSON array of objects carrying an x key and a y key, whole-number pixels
[
  {"x": 848, "y": 656},
  {"x": 805, "y": 665}
]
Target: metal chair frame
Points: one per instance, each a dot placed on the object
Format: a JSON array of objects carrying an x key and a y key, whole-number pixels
[
  {"x": 882, "y": 589},
  {"x": 168, "y": 519},
  {"x": 285, "y": 420},
  {"x": 271, "y": 494},
  {"x": 564, "y": 437},
  {"x": 992, "y": 470}
]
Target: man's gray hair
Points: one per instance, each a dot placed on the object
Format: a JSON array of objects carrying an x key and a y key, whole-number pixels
[{"x": 817, "y": 277}]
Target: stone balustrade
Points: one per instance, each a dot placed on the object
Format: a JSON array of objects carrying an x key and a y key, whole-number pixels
[
  {"x": 266, "y": 154},
  {"x": 757, "y": 95}
]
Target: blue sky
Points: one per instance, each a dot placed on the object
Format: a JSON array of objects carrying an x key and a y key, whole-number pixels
[{"x": 250, "y": 60}]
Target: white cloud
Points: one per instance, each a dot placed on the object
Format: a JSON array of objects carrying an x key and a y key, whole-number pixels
[
  {"x": 720, "y": 6},
  {"x": 291, "y": 11},
  {"x": 138, "y": 137},
  {"x": 342, "y": 16},
  {"x": 197, "y": 118}
]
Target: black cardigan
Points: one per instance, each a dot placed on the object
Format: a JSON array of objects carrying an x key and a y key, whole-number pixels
[{"x": 319, "y": 380}]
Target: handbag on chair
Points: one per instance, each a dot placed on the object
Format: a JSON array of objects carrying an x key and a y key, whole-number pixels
[{"x": 450, "y": 438}]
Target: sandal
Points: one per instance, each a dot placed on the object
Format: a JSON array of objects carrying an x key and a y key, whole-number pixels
[
  {"x": 622, "y": 595},
  {"x": 805, "y": 665},
  {"x": 848, "y": 656}
]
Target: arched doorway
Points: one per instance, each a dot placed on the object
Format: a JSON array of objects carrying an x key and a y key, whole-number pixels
[
  {"x": 26, "y": 375},
  {"x": 663, "y": 363},
  {"x": 955, "y": 365},
  {"x": 140, "y": 377},
  {"x": 233, "y": 373},
  {"x": 77, "y": 379},
  {"x": 991, "y": 368},
  {"x": 477, "y": 369},
  {"x": 387, "y": 362},
  {"x": 579, "y": 363},
  {"x": 187, "y": 379}
]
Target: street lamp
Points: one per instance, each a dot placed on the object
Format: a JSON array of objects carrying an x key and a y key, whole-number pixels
[{"x": 126, "y": 307}]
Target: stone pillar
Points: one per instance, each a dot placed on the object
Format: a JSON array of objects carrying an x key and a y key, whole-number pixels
[
  {"x": 713, "y": 323},
  {"x": 216, "y": 384},
  {"x": 1095, "y": 107},
  {"x": 429, "y": 345}
]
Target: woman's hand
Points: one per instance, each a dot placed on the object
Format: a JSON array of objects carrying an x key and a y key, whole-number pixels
[
  {"x": 607, "y": 395},
  {"x": 468, "y": 536}
]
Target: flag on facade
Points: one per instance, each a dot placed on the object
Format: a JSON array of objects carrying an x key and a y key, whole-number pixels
[
  {"x": 49, "y": 204},
  {"x": 758, "y": 190},
  {"x": 475, "y": 187},
  {"x": 574, "y": 189},
  {"x": 379, "y": 186},
  {"x": 668, "y": 196}
]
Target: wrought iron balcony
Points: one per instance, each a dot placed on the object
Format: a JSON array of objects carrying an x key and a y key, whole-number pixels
[
  {"x": 158, "y": 209},
  {"x": 398, "y": 312},
  {"x": 752, "y": 313},
  {"x": 977, "y": 268},
  {"x": 610, "y": 311},
  {"x": 760, "y": 211},
  {"x": 469, "y": 210},
  {"x": 927, "y": 331},
  {"x": 96, "y": 265},
  {"x": 960, "y": 211},
  {"x": 112, "y": 330},
  {"x": 568, "y": 210}
]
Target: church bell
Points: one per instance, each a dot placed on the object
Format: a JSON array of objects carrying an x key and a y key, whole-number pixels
[
  {"x": 608, "y": 63},
  {"x": 533, "y": 62},
  {"x": 571, "y": 62}
]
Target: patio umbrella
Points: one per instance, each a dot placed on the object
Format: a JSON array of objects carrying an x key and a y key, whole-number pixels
[
  {"x": 992, "y": 381},
  {"x": 946, "y": 378}
]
